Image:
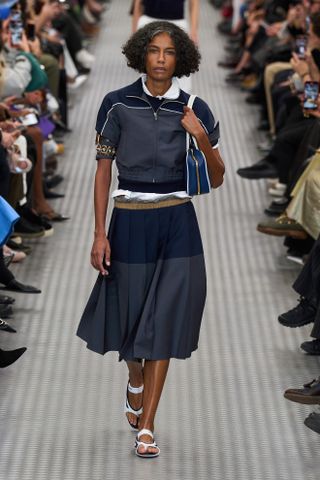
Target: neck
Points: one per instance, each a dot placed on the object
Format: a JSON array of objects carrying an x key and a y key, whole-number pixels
[{"x": 158, "y": 87}]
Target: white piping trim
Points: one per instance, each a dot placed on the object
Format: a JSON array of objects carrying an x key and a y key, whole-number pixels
[{"x": 124, "y": 105}]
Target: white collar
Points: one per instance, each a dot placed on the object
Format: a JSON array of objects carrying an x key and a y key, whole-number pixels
[{"x": 172, "y": 94}]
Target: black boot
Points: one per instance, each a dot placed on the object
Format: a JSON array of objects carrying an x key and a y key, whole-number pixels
[
  {"x": 301, "y": 315},
  {"x": 7, "y": 357}
]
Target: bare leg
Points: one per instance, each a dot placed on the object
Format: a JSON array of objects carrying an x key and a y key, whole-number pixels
[
  {"x": 39, "y": 201},
  {"x": 154, "y": 372},
  {"x": 136, "y": 380},
  {"x": 243, "y": 61}
]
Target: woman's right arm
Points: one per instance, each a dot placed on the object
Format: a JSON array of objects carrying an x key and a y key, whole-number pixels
[{"x": 101, "y": 248}]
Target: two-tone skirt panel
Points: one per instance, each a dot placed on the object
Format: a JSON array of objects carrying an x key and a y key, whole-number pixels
[{"x": 150, "y": 305}]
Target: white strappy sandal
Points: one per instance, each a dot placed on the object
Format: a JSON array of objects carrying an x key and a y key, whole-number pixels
[
  {"x": 129, "y": 409},
  {"x": 146, "y": 446}
]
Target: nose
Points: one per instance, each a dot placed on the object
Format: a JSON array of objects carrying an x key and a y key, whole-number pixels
[{"x": 161, "y": 57}]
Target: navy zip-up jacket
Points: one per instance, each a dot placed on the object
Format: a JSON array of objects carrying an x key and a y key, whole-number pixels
[{"x": 149, "y": 146}]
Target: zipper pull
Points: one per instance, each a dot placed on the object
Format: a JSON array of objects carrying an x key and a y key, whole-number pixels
[{"x": 155, "y": 115}]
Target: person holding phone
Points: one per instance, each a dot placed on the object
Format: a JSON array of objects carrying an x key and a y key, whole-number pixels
[{"x": 148, "y": 300}]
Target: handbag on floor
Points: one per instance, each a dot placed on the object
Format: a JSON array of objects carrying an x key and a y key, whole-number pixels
[
  {"x": 8, "y": 217},
  {"x": 197, "y": 177}
]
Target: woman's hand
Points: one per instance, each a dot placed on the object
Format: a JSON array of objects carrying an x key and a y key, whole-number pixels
[
  {"x": 8, "y": 139},
  {"x": 298, "y": 65},
  {"x": 190, "y": 122},
  {"x": 100, "y": 254}
]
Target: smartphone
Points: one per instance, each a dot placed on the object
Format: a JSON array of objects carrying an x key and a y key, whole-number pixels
[
  {"x": 301, "y": 47},
  {"x": 31, "y": 31},
  {"x": 16, "y": 27},
  {"x": 311, "y": 92},
  {"x": 30, "y": 119}
]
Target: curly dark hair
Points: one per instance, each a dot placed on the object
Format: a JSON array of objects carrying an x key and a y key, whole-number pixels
[{"x": 187, "y": 53}]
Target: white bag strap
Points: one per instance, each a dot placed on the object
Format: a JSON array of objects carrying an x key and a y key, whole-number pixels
[{"x": 190, "y": 105}]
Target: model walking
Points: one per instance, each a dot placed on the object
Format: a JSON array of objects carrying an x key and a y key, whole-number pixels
[{"x": 148, "y": 300}]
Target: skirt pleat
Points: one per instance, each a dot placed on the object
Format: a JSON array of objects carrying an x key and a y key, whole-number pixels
[{"x": 151, "y": 305}]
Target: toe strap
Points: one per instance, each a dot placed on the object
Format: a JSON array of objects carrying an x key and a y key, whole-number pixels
[{"x": 146, "y": 445}]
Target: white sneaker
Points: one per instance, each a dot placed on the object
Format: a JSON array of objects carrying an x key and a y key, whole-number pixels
[
  {"x": 278, "y": 190},
  {"x": 85, "y": 58},
  {"x": 87, "y": 15},
  {"x": 78, "y": 81}
]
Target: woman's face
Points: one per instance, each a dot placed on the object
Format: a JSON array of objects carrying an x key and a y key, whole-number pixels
[{"x": 161, "y": 58}]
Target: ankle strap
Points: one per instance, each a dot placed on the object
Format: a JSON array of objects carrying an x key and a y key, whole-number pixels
[
  {"x": 135, "y": 389},
  {"x": 144, "y": 431}
]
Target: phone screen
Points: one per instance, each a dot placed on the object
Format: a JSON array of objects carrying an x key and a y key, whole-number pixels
[
  {"x": 311, "y": 92},
  {"x": 16, "y": 27},
  {"x": 31, "y": 31},
  {"x": 301, "y": 46}
]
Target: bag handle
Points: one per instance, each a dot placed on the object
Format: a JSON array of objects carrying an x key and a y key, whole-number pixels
[{"x": 190, "y": 105}]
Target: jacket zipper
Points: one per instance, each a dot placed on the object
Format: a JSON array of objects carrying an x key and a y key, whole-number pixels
[{"x": 155, "y": 115}]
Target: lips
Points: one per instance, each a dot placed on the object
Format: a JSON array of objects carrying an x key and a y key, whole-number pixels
[{"x": 159, "y": 69}]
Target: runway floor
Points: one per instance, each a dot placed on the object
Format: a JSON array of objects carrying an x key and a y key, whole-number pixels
[{"x": 222, "y": 415}]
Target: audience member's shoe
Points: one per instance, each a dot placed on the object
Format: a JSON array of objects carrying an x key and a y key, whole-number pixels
[
  {"x": 234, "y": 77},
  {"x": 278, "y": 190},
  {"x": 11, "y": 243},
  {"x": 283, "y": 226},
  {"x": 55, "y": 217},
  {"x": 249, "y": 82},
  {"x": 229, "y": 62},
  {"x": 312, "y": 347},
  {"x": 276, "y": 208},
  {"x": 309, "y": 394},
  {"x": 298, "y": 316},
  {"x": 225, "y": 27},
  {"x": 264, "y": 125},
  {"x": 17, "y": 256},
  {"x": 6, "y": 300},
  {"x": 85, "y": 58},
  {"x": 261, "y": 169},
  {"x": 15, "y": 286},
  {"x": 53, "y": 180},
  {"x": 89, "y": 29},
  {"x": 6, "y": 311},
  {"x": 37, "y": 220},
  {"x": 27, "y": 230},
  {"x": 6, "y": 327},
  {"x": 233, "y": 48},
  {"x": 51, "y": 194},
  {"x": 265, "y": 146},
  {"x": 88, "y": 15},
  {"x": 313, "y": 422},
  {"x": 253, "y": 99},
  {"x": 77, "y": 82},
  {"x": 7, "y": 357},
  {"x": 295, "y": 259},
  {"x": 7, "y": 258}
]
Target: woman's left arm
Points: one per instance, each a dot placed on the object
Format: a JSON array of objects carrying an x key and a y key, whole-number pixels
[{"x": 214, "y": 161}]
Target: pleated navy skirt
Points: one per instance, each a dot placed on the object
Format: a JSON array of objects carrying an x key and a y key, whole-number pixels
[{"x": 151, "y": 304}]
